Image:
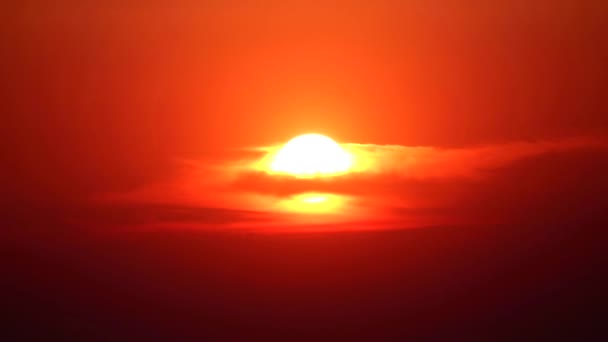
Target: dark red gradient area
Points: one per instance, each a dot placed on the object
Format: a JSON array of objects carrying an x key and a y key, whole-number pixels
[{"x": 134, "y": 204}]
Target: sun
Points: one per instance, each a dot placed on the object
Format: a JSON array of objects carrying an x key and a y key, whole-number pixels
[{"x": 311, "y": 155}]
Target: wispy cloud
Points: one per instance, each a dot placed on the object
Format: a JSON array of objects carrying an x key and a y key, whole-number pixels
[{"x": 408, "y": 186}]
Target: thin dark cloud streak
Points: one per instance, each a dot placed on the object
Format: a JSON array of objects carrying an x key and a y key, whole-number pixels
[{"x": 492, "y": 184}]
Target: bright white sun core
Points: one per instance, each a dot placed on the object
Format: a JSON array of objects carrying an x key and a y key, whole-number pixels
[{"x": 311, "y": 155}]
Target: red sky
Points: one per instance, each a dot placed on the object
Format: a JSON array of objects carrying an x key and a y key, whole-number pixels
[
  {"x": 130, "y": 210},
  {"x": 104, "y": 97}
]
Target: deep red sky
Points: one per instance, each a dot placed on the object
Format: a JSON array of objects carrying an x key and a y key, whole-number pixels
[
  {"x": 130, "y": 113},
  {"x": 103, "y": 95}
]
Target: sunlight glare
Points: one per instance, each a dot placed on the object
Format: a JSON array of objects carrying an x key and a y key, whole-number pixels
[{"x": 311, "y": 155}]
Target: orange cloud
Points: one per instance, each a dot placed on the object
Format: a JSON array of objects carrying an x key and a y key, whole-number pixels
[{"x": 411, "y": 186}]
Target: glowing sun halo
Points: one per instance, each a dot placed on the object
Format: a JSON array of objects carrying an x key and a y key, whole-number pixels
[{"x": 311, "y": 155}]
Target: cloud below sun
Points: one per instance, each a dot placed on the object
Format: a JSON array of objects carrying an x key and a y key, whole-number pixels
[{"x": 388, "y": 186}]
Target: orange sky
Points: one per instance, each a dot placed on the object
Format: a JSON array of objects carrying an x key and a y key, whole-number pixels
[
  {"x": 135, "y": 139},
  {"x": 104, "y": 97}
]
